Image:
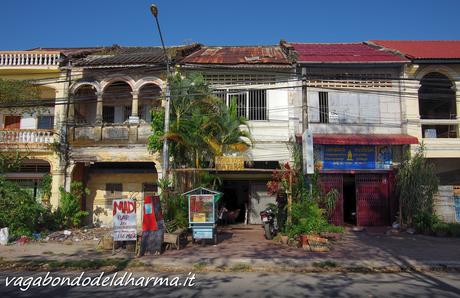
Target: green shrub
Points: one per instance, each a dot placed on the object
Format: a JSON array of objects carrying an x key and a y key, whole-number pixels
[
  {"x": 447, "y": 229},
  {"x": 45, "y": 188},
  {"x": 308, "y": 218},
  {"x": 69, "y": 213},
  {"x": 424, "y": 221},
  {"x": 19, "y": 211},
  {"x": 417, "y": 183},
  {"x": 175, "y": 208}
]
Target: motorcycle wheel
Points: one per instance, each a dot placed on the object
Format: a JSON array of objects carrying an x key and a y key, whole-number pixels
[{"x": 268, "y": 233}]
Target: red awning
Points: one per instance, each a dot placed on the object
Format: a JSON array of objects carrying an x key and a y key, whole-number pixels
[{"x": 367, "y": 139}]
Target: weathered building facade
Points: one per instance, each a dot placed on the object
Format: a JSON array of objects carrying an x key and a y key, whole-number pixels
[
  {"x": 33, "y": 125},
  {"x": 431, "y": 105},
  {"x": 352, "y": 106},
  {"x": 261, "y": 81},
  {"x": 112, "y": 93}
]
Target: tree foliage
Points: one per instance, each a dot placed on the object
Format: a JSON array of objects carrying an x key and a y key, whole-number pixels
[
  {"x": 417, "y": 184},
  {"x": 15, "y": 93},
  {"x": 201, "y": 125}
]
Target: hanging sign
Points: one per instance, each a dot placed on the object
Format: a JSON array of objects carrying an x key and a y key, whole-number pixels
[
  {"x": 307, "y": 152},
  {"x": 229, "y": 163},
  {"x": 124, "y": 220},
  {"x": 353, "y": 157}
]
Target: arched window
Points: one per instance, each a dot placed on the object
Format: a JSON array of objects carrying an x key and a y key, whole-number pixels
[
  {"x": 117, "y": 100},
  {"x": 436, "y": 100}
]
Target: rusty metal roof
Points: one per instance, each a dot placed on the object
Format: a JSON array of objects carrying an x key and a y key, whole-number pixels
[
  {"x": 343, "y": 53},
  {"x": 234, "y": 55}
]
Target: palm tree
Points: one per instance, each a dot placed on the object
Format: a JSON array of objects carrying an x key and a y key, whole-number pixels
[
  {"x": 228, "y": 132},
  {"x": 202, "y": 126}
]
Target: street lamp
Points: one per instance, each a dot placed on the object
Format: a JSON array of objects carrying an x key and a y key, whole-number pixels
[{"x": 154, "y": 11}]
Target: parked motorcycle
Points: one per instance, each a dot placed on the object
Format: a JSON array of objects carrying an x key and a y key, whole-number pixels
[{"x": 269, "y": 222}]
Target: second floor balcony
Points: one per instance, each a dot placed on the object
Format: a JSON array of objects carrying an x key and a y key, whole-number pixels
[
  {"x": 28, "y": 139},
  {"x": 29, "y": 59}
]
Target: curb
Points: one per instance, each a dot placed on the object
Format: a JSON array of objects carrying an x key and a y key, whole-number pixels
[{"x": 232, "y": 265}]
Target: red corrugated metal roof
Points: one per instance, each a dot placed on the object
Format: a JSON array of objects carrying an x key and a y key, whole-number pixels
[
  {"x": 423, "y": 49},
  {"x": 238, "y": 55},
  {"x": 343, "y": 53},
  {"x": 364, "y": 139}
]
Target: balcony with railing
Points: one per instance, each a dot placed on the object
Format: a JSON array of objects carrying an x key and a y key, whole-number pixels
[
  {"x": 26, "y": 138},
  {"x": 35, "y": 59}
]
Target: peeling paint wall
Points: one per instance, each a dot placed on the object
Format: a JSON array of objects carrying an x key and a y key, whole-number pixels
[{"x": 100, "y": 207}]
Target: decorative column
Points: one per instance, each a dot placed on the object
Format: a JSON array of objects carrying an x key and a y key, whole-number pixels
[
  {"x": 99, "y": 106},
  {"x": 457, "y": 105},
  {"x": 71, "y": 112},
  {"x": 134, "y": 118}
]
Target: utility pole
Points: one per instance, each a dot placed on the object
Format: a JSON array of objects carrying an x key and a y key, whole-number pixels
[
  {"x": 304, "y": 100},
  {"x": 154, "y": 11}
]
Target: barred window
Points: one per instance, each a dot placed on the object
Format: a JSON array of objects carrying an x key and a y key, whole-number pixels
[
  {"x": 251, "y": 104},
  {"x": 323, "y": 107}
]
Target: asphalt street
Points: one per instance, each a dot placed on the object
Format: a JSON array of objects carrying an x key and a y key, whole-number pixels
[{"x": 246, "y": 284}]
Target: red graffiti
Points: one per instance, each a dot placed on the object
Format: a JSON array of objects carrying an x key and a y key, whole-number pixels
[{"x": 125, "y": 207}]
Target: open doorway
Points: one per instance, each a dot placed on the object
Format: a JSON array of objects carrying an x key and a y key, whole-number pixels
[
  {"x": 235, "y": 201},
  {"x": 349, "y": 199}
]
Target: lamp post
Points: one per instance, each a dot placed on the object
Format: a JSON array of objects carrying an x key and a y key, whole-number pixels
[{"x": 154, "y": 11}]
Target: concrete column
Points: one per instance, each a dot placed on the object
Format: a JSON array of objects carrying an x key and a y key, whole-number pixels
[
  {"x": 57, "y": 181},
  {"x": 457, "y": 101},
  {"x": 71, "y": 112},
  {"x": 134, "y": 118},
  {"x": 99, "y": 106}
]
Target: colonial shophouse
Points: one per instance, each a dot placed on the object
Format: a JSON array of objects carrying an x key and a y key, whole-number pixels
[
  {"x": 431, "y": 105},
  {"x": 352, "y": 105},
  {"x": 32, "y": 130},
  {"x": 112, "y": 93},
  {"x": 262, "y": 81}
]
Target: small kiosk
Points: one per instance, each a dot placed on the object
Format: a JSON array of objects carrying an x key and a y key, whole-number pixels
[{"x": 202, "y": 206}]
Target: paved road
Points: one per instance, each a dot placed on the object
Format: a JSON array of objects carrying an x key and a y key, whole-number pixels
[{"x": 257, "y": 285}]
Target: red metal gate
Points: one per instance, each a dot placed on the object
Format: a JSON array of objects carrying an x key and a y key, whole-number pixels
[
  {"x": 327, "y": 183},
  {"x": 372, "y": 200}
]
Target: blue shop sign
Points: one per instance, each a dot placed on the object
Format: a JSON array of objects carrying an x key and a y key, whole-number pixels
[{"x": 352, "y": 157}]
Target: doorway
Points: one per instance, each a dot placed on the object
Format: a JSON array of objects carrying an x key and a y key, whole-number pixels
[
  {"x": 349, "y": 199},
  {"x": 235, "y": 201}
]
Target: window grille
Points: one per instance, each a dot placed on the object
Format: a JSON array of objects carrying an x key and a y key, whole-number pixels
[
  {"x": 323, "y": 107},
  {"x": 352, "y": 80},
  {"x": 251, "y": 104},
  {"x": 45, "y": 122},
  {"x": 246, "y": 79}
]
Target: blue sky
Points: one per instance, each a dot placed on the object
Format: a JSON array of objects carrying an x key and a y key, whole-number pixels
[{"x": 63, "y": 23}]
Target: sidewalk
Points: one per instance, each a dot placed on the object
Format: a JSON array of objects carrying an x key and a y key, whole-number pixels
[{"x": 245, "y": 248}]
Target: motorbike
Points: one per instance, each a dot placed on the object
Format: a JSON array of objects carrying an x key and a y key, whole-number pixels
[{"x": 269, "y": 222}]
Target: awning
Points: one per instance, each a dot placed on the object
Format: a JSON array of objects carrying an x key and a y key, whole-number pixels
[{"x": 364, "y": 139}]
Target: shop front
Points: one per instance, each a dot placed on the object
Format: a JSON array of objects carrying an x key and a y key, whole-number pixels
[{"x": 361, "y": 168}]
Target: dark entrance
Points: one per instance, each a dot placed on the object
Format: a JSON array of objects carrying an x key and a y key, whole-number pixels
[
  {"x": 235, "y": 200},
  {"x": 349, "y": 199}
]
